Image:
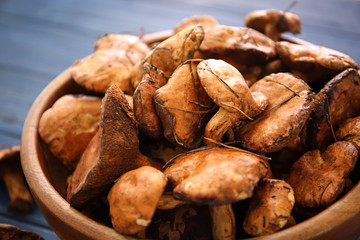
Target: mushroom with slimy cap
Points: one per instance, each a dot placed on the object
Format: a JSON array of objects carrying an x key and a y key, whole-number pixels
[{"x": 228, "y": 89}]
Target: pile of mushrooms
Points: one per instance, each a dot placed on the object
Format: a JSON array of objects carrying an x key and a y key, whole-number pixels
[{"x": 214, "y": 125}]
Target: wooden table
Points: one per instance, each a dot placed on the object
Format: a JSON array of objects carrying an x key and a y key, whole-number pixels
[{"x": 41, "y": 38}]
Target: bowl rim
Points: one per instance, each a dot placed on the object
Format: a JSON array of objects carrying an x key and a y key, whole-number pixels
[{"x": 323, "y": 224}]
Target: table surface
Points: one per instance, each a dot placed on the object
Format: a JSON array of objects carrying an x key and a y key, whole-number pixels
[{"x": 41, "y": 38}]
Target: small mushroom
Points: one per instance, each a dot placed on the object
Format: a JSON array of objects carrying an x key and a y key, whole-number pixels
[
  {"x": 98, "y": 71},
  {"x": 68, "y": 126},
  {"x": 113, "y": 151},
  {"x": 228, "y": 89},
  {"x": 183, "y": 106},
  {"x": 337, "y": 101},
  {"x": 170, "y": 53},
  {"x": 222, "y": 222},
  {"x": 273, "y": 22},
  {"x": 167, "y": 202},
  {"x": 234, "y": 174},
  {"x": 10, "y": 232},
  {"x": 270, "y": 207},
  {"x": 313, "y": 63},
  {"x": 290, "y": 101},
  {"x": 318, "y": 178},
  {"x": 134, "y": 197},
  {"x": 143, "y": 99},
  {"x": 204, "y": 20},
  {"x": 134, "y": 48},
  {"x": 12, "y": 175}
]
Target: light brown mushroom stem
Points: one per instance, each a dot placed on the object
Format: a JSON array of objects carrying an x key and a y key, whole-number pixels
[
  {"x": 20, "y": 197},
  {"x": 223, "y": 222},
  {"x": 11, "y": 172}
]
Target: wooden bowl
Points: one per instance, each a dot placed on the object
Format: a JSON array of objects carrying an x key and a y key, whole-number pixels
[{"x": 47, "y": 181}]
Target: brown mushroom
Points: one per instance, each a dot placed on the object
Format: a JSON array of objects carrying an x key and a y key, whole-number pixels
[
  {"x": 273, "y": 22},
  {"x": 12, "y": 175},
  {"x": 170, "y": 53},
  {"x": 204, "y": 20},
  {"x": 228, "y": 89},
  {"x": 234, "y": 174},
  {"x": 133, "y": 46},
  {"x": 167, "y": 202},
  {"x": 143, "y": 99},
  {"x": 113, "y": 151},
  {"x": 134, "y": 197},
  {"x": 98, "y": 71},
  {"x": 183, "y": 106},
  {"x": 337, "y": 101},
  {"x": 290, "y": 101},
  {"x": 10, "y": 232},
  {"x": 318, "y": 178},
  {"x": 350, "y": 131},
  {"x": 313, "y": 63},
  {"x": 270, "y": 207},
  {"x": 68, "y": 126},
  {"x": 241, "y": 45}
]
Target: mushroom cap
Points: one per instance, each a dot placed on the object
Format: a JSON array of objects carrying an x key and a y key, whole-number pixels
[
  {"x": 247, "y": 45},
  {"x": 233, "y": 176},
  {"x": 270, "y": 207},
  {"x": 98, "y": 71},
  {"x": 143, "y": 99},
  {"x": 313, "y": 63},
  {"x": 134, "y": 197},
  {"x": 282, "y": 21},
  {"x": 290, "y": 101},
  {"x": 183, "y": 106},
  {"x": 338, "y": 100},
  {"x": 69, "y": 125},
  {"x": 227, "y": 88},
  {"x": 318, "y": 178},
  {"x": 131, "y": 44},
  {"x": 204, "y": 20},
  {"x": 350, "y": 131}
]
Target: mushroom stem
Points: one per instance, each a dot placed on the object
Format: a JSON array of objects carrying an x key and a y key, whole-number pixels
[
  {"x": 223, "y": 222},
  {"x": 218, "y": 125}
]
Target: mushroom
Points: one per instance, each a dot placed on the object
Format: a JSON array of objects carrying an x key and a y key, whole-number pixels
[
  {"x": 290, "y": 101},
  {"x": 337, "y": 101},
  {"x": 143, "y": 99},
  {"x": 183, "y": 106},
  {"x": 236, "y": 44},
  {"x": 234, "y": 174},
  {"x": 273, "y": 22},
  {"x": 13, "y": 177},
  {"x": 270, "y": 208},
  {"x": 170, "y": 53},
  {"x": 10, "y": 232},
  {"x": 318, "y": 178},
  {"x": 134, "y": 48},
  {"x": 313, "y": 63},
  {"x": 134, "y": 197},
  {"x": 167, "y": 202},
  {"x": 204, "y": 20},
  {"x": 68, "y": 126},
  {"x": 350, "y": 131},
  {"x": 98, "y": 71},
  {"x": 228, "y": 89},
  {"x": 113, "y": 151}
]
